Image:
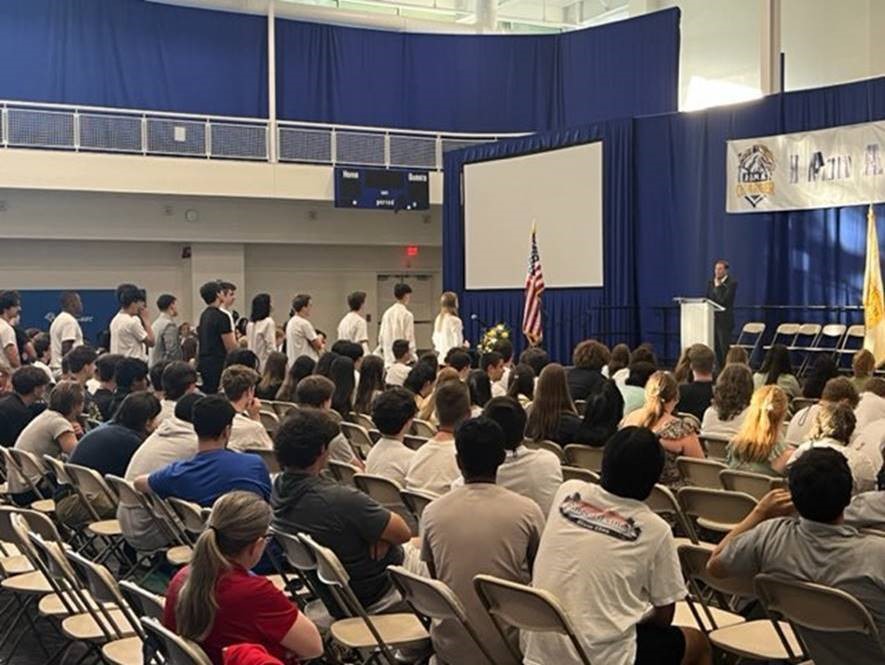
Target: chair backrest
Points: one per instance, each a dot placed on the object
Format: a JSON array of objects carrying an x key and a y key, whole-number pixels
[
  {"x": 694, "y": 560},
  {"x": 37, "y": 522},
  {"x": 267, "y": 456},
  {"x": 178, "y": 651},
  {"x": 857, "y": 331},
  {"x": 663, "y": 502},
  {"x": 359, "y": 438},
  {"x": 809, "y": 330},
  {"x": 799, "y": 403},
  {"x": 89, "y": 483},
  {"x": 105, "y": 590},
  {"x": 834, "y": 331},
  {"x": 700, "y": 472},
  {"x": 525, "y": 608},
  {"x": 384, "y": 490},
  {"x": 58, "y": 469},
  {"x": 12, "y": 468},
  {"x": 190, "y": 514},
  {"x": 585, "y": 457},
  {"x": 577, "y": 473},
  {"x": 416, "y": 501},
  {"x": 554, "y": 448},
  {"x": 144, "y": 602},
  {"x": 342, "y": 472},
  {"x": 423, "y": 428},
  {"x": 295, "y": 551},
  {"x": 753, "y": 328},
  {"x": 270, "y": 421},
  {"x": 362, "y": 420},
  {"x": 714, "y": 446},
  {"x": 414, "y": 442},
  {"x": 282, "y": 409},
  {"x": 29, "y": 467},
  {"x": 719, "y": 510},
  {"x": 756, "y": 485}
]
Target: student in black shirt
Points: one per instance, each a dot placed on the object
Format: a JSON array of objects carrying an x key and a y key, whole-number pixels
[
  {"x": 586, "y": 378},
  {"x": 695, "y": 397},
  {"x": 216, "y": 337},
  {"x": 131, "y": 376},
  {"x": 20, "y": 407}
]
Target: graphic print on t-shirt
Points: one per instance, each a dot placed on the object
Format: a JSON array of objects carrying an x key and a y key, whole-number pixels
[{"x": 600, "y": 520}]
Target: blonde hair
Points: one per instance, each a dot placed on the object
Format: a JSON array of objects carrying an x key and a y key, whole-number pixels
[
  {"x": 448, "y": 304},
  {"x": 237, "y": 520},
  {"x": 761, "y": 429},
  {"x": 835, "y": 421},
  {"x": 660, "y": 388}
]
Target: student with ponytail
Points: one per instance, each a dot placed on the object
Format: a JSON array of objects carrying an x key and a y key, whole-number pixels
[
  {"x": 759, "y": 445},
  {"x": 216, "y": 602}
]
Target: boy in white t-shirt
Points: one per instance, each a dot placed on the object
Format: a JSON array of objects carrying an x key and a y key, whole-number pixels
[
  {"x": 65, "y": 332},
  {"x": 399, "y": 370},
  {"x": 353, "y": 327},
  {"x": 609, "y": 559},
  {"x": 10, "y": 306},
  {"x": 301, "y": 337},
  {"x": 131, "y": 331}
]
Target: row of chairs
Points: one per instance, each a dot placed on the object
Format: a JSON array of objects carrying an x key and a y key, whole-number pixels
[{"x": 805, "y": 340}]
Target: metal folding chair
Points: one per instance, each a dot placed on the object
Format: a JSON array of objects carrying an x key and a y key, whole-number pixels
[
  {"x": 585, "y": 457},
  {"x": 750, "y": 338}
]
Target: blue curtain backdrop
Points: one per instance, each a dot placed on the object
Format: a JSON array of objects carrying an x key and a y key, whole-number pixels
[
  {"x": 466, "y": 83},
  {"x": 665, "y": 221},
  {"x": 133, "y": 54}
]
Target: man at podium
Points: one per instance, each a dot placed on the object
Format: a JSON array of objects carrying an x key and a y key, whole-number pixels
[{"x": 721, "y": 290}]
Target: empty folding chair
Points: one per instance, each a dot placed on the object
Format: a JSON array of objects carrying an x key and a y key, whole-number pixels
[
  {"x": 423, "y": 428},
  {"x": 268, "y": 457},
  {"x": 805, "y": 343},
  {"x": 433, "y": 600},
  {"x": 663, "y": 502},
  {"x": 525, "y": 608},
  {"x": 784, "y": 334},
  {"x": 414, "y": 442},
  {"x": 342, "y": 472},
  {"x": 416, "y": 501},
  {"x": 852, "y": 342},
  {"x": 715, "y": 510},
  {"x": 750, "y": 338},
  {"x": 270, "y": 421},
  {"x": 550, "y": 446},
  {"x": 585, "y": 457},
  {"x": 700, "y": 472},
  {"x": 756, "y": 485},
  {"x": 577, "y": 473},
  {"x": 714, "y": 446},
  {"x": 176, "y": 649},
  {"x": 359, "y": 439}
]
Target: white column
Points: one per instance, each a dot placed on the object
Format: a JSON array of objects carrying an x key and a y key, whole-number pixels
[
  {"x": 272, "y": 80},
  {"x": 486, "y": 15},
  {"x": 770, "y": 38},
  {"x": 211, "y": 261},
  {"x": 640, "y": 7}
]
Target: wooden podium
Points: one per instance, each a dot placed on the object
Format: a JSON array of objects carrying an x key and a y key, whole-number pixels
[{"x": 696, "y": 321}]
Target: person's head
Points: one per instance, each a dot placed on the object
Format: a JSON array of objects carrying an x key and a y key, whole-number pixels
[
  {"x": 324, "y": 364},
  {"x": 106, "y": 367},
  {"x": 762, "y": 427},
  {"x": 480, "y": 387},
  {"x": 228, "y": 294},
  {"x": 71, "y": 303},
  {"x": 131, "y": 298},
  {"x": 820, "y": 485},
  {"x": 632, "y": 463},
  {"x": 131, "y": 375},
  {"x": 863, "y": 363},
  {"x": 522, "y": 382},
  {"x": 640, "y": 372},
  {"x": 303, "y": 438},
  {"x": 342, "y": 375},
  {"x": 511, "y": 418},
  {"x": 876, "y": 386},
  {"x": 420, "y": 380},
  {"x": 393, "y": 412},
  {"x": 479, "y": 446},
  {"x": 823, "y": 370},
  {"x": 403, "y": 293},
  {"x": 834, "y": 420},
  {"x": 661, "y": 396},
  {"x": 644, "y": 353},
  {"x": 238, "y": 383},
  {"x": 30, "y": 383},
  {"x": 505, "y": 348},
  {"x": 459, "y": 360},
  {"x": 184, "y": 407},
  {"x": 733, "y": 391},
  {"x": 604, "y": 410},
  {"x": 210, "y": 292},
  {"x": 552, "y": 399},
  {"x": 315, "y": 391},
  {"x": 720, "y": 268},
  {"x": 42, "y": 345},
  {"x": 260, "y": 307},
  {"x": 840, "y": 390},
  {"x": 138, "y": 412},
  {"x": 620, "y": 358},
  {"x": 67, "y": 398},
  {"x": 452, "y": 404},
  {"x": 301, "y": 368},
  {"x": 301, "y": 305},
  {"x": 492, "y": 364},
  {"x": 348, "y": 349},
  {"x": 701, "y": 361},
  {"x": 189, "y": 348},
  {"x": 245, "y": 357},
  {"x": 156, "y": 375},
  {"x": 536, "y": 358},
  {"x": 448, "y": 303},
  {"x": 356, "y": 301},
  {"x": 402, "y": 351},
  {"x": 212, "y": 417},
  {"x": 179, "y": 379},
  {"x": 274, "y": 370},
  {"x": 371, "y": 382},
  {"x": 591, "y": 354},
  {"x": 430, "y": 359},
  {"x": 777, "y": 362},
  {"x": 168, "y": 304},
  {"x": 81, "y": 362},
  {"x": 737, "y": 355},
  {"x": 10, "y": 304},
  {"x": 236, "y": 534}
]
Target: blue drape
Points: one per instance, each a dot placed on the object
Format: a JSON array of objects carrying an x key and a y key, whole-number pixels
[
  {"x": 133, "y": 54},
  {"x": 470, "y": 83}
]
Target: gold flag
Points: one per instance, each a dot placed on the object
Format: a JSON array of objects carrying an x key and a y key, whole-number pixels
[{"x": 873, "y": 303}]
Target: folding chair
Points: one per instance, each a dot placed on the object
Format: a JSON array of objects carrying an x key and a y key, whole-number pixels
[
  {"x": 757, "y": 639},
  {"x": 176, "y": 650},
  {"x": 700, "y": 472},
  {"x": 852, "y": 342},
  {"x": 784, "y": 334},
  {"x": 714, "y": 446},
  {"x": 375, "y": 435},
  {"x": 416, "y": 501},
  {"x": 359, "y": 439},
  {"x": 268, "y": 457},
  {"x": 799, "y": 403},
  {"x": 715, "y": 510},
  {"x": 821, "y": 609},
  {"x": 362, "y": 420},
  {"x": 190, "y": 515},
  {"x": 90, "y": 486},
  {"x": 386, "y": 492},
  {"x": 525, "y": 608},
  {"x": 806, "y": 341},
  {"x": 343, "y": 472},
  {"x": 585, "y": 457},
  {"x": 270, "y": 421},
  {"x": 750, "y": 338},
  {"x": 577, "y": 473},
  {"x": 374, "y": 637},
  {"x": 27, "y": 467},
  {"x": 663, "y": 502},
  {"x": 829, "y": 340},
  {"x": 414, "y": 442},
  {"x": 282, "y": 409},
  {"x": 302, "y": 562},
  {"x": 756, "y": 485},
  {"x": 142, "y": 601},
  {"x": 433, "y": 600},
  {"x": 423, "y": 428},
  {"x": 550, "y": 446}
]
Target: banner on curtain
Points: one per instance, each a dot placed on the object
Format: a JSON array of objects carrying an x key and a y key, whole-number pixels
[{"x": 830, "y": 168}]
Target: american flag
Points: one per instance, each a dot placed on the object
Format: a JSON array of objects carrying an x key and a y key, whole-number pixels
[{"x": 534, "y": 287}]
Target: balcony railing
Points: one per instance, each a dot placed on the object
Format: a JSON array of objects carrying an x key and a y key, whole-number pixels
[{"x": 129, "y": 131}]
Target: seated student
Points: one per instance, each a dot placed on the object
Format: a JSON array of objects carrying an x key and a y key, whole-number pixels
[
  {"x": 178, "y": 379},
  {"x": 155, "y": 379},
  {"x": 272, "y": 376},
  {"x": 609, "y": 559},
  {"x": 777, "y": 369},
  {"x": 536, "y": 358},
  {"x": 402, "y": 364},
  {"x": 420, "y": 383},
  {"x": 244, "y": 357},
  {"x": 867, "y": 511},
  {"x": 433, "y": 468},
  {"x": 618, "y": 368},
  {"x": 633, "y": 389},
  {"x": 238, "y": 384},
  {"x": 603, "y": 413},
  {"x": 823, "y": 370},
  {"x": 370, "y": 385},
  {"x": 342, "y": 375},
  {"x": 815, "y": 547},
  {"x": 130, "y": 376},
  {"x": 105, "y": 370},
  {"x": 23, "y": 404},
  {"x": 214, "y": 470},
  {"x": 393, "y": 413},
  {"x": 500, "y": 538},
  {"x": 480, "y": 388},
  {"x": 759, "y": 446},
  {"x": 459, "y": 360},
  {"x": 41, "y": 361},
  {"x": 79, "y": 365},
  {"x": 504, "y": 347},
  {"x": 695, "y": 397},
  {"x": 492, "y": 364},
  {"x": 553, "y": 416},
  {"x": 315, "y": 392},
  {"x": 364, "y": 535},
  {"x": 862, "y": 366},
  {"x": 871, "y": 404},
  {"x": 833, "y": 427},
  {"x": 302, "y": 367},
  {"x": 731, "y": 399},
  {"x": 522, "y": 384},
  {"x": 585, "y": 378},
  {"x": 428, "y": 409},
  {"x": 835, "y": 391},
  {"x": 216, "y": 602}
]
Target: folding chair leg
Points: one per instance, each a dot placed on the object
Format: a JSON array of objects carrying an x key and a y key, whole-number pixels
[{"x": 22, "y": 608}]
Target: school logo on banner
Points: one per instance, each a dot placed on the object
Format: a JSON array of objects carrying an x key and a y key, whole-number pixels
[{"x": 755, "y": 168}]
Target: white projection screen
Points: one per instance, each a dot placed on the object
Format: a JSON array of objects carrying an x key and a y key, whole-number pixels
[{"x": 561, "y": 191}]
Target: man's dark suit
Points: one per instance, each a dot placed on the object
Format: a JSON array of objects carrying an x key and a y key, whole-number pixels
[{"x": 723, "y": 321}]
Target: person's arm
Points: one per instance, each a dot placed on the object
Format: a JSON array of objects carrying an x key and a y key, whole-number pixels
[
  {"x": 410, "y": 330},
  {"x": 142, "y": 485},
  {"x": 691, "y": 446},
  {"x": 11, "y": 351},
  {"x": 149, "y": 339},
  {"x": 270, "y": 336},
  {"x": 303, "y": 639},
  {"x": 66, "y": 346},
  {"x": 229, "y": 341},
  {"x": 397, "y": 532},
  {"x": 67, "y": 442},
  {"x": 661, "y": 616},
  {"x": 779, "y": 464}
]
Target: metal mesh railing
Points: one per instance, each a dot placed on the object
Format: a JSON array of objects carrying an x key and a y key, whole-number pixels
[
  {"x": 40, "y": 129},
  {"x": 235, "y": 141},
  {"x": 110, "y": 133},
  {"x": 360, "y": 148},
  {"x": 176, "y": 137},
  {"x": 413, "y": 151},
  {"x": 305, "y": 145}
]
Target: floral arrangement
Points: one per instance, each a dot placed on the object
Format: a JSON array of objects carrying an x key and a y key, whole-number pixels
[{"x": 494, "y": 334}]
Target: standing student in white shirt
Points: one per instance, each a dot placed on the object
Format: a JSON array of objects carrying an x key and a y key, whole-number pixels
[
  {"x": 397, "y": 323},
  {"x": 10, "y": 306},
  {"x": 65, "y": 332},
  {"x": 353, "y": 327},
  {"x": 261, "y": 331},
  {"x": 130, "y": 329},
  {"x": 301, "y": 337},
  {"x": 448, "y": 329}
]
